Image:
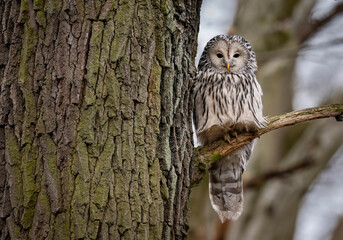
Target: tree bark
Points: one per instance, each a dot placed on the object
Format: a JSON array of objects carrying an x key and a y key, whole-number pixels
[
  {"x": 338, "y": 232},
  {"x": 95, "y": 118}
]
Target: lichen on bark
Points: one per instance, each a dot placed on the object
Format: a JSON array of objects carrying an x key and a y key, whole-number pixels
[{"x": 96, "y": 125}]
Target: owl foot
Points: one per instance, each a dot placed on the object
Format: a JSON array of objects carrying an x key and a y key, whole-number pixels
[
  {"x": 235, "y": 135},
  {"x": 227, "y": 138},
  {"x": 231, "y": 136}
]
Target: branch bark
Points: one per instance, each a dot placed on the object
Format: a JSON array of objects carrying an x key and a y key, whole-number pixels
[{"x": 205, "y": 156}]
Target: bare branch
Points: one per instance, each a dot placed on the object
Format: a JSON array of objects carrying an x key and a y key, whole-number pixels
[
  {"x": 307, "y": 29},
  {"x": 259, "y": 180},
  {"x": 205, "y": 156}
]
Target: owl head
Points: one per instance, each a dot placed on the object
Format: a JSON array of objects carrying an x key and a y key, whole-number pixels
[{"x": 232, "y": 54}]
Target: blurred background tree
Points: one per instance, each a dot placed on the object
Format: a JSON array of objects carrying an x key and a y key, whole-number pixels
[{"x": 299, "y": 50}]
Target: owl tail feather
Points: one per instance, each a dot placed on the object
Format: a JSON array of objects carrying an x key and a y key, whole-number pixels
[{"x": 226, "y": 187}]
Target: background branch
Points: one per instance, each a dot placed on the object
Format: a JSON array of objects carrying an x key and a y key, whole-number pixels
[
  {"x": 260, "y": 179},
  {"x": 307, "y": 29},
  {"x": 205, "y": 156}
]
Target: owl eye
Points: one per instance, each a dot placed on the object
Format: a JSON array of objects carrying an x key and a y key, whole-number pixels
[
  {"x": 236, "y": 55},
  {"x": 219, "y": 55}
]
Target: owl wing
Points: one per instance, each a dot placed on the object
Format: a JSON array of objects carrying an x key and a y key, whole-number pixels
[{"x": 199, "y": 109}]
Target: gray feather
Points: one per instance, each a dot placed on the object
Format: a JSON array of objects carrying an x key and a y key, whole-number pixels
[{"x": 227, "y": 101}]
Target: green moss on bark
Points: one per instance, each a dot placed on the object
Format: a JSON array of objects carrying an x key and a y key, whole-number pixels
[
  {"x": 123, "y": 23},
  {"x": 30, "y": 189},
  {"x": 93, "y": 100}
]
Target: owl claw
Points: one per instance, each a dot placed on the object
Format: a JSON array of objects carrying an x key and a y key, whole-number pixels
[
  {"x": 229, "y": 137},
  {"x": 235, "y": 135}
]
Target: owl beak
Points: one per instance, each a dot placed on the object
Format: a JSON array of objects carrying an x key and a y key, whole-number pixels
[{"x": 228, "y": 66}]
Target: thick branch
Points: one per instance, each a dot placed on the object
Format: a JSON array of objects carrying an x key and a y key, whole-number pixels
[{"x": 205, "y": 156}]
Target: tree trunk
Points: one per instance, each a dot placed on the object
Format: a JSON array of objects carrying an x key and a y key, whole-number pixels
[
  {"x": 95, "y": 118},
  {"x": 338, "y": 232}
]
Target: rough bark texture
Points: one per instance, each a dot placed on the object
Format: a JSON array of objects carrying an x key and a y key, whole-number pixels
[{"x": 95, "y": 131}]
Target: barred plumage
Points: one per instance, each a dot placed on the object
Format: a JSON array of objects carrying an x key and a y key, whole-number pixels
[{"x": 227, "y": 100}]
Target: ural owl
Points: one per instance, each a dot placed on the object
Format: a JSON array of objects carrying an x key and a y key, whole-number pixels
[{"x": 227, "y": 101}]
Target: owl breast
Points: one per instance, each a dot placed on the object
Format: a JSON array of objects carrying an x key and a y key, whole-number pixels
[{"x": 226, "y": 102}]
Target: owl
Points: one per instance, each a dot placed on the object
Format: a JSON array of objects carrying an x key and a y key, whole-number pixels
[{"x": 227, "y": 101}]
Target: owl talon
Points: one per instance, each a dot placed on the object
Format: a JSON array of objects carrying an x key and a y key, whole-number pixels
[
  {"x": 231, "y": 137},
  {"x": 227, "y": 138},
  {"x": 235, "y": 135}
]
